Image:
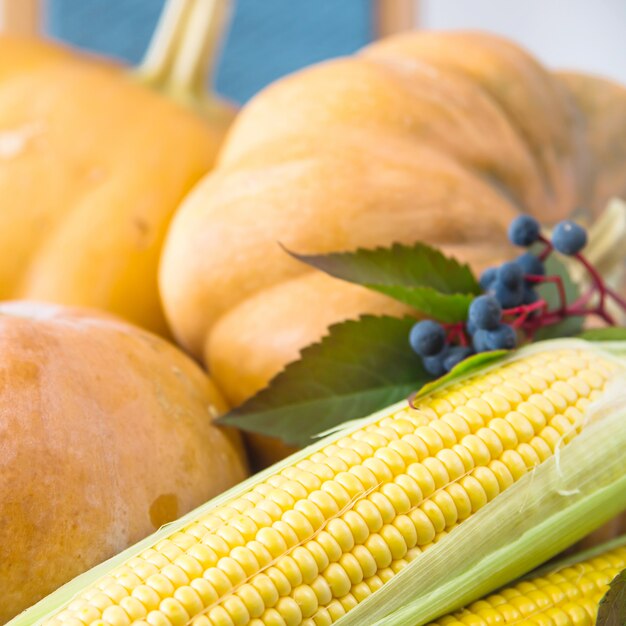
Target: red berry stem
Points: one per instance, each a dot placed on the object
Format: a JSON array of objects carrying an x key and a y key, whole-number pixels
[
  {"x": 547, "y": 251},
  {"x": 603, "y": 290},
  {"x": 596, "y": 279},
  {"x": 605, "y": 315},
  {"x": 521, "y": 317},
  {"x": 584, "y": 300},
  {"x": 456, "y": 331},
  {"x": 616, "y": 297},
  {"x": 524, "y": 311},
  {"x": 557, "y": 280}
]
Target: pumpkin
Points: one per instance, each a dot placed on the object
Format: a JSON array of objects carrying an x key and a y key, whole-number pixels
[
  {"x": 92, "y": 166},
  {"x": 106, "y": 434},
  {"x": 435, "y": 137}
]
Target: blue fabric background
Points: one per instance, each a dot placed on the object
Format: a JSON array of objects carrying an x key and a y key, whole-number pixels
[{"x": 268, "y": 38}]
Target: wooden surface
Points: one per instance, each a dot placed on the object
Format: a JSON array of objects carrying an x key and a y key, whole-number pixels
[
  {"x": 394, "y": 16},
  {"x": 20, "y": 17}
]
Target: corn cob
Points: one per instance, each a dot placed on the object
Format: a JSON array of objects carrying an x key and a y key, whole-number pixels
[
  {"x": 309, "y": 543},
  {"x": 567, "y": 596}
]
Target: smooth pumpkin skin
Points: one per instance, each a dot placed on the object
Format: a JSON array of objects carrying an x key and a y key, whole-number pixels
[
  {"x": 435, "y": 137},
  {"x": 371, "y": 195},
  {"x": 105, "y": 435},
  {"x": 92, "y": 167}
]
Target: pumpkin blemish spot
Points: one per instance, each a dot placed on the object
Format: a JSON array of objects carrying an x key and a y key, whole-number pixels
[{"x": 164, "y": 509}]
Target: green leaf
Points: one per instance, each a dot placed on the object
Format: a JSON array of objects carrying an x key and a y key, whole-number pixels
[
  {"x": 612, "y": 333},
  {"x": 361, "y": 366},
  {"x": 612, "y": 609},
  {"x": 417, "y": 265},
  {"x": 417, "y": 275},
  {"x": 447, "y": 308},
  {"x": 549, "y": 292}
]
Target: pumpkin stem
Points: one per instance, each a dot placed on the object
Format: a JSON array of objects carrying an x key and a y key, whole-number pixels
[{"x": 181, "y": 55}]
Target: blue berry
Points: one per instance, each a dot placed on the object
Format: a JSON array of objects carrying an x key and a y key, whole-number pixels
[
  {"x": 509, "y": 298},
  {"x": 434, "y": 364},
  {"x": 503, "y": 338},
  {"x": 485, "y": 312},
  {"x": 530, "y": 295},
  {"x": 479, "y": 340},
  {"x": 568, "y": 237},
  {"x": 509, "y": 285},
  {"x": 524, "y": 231},
  {"x": 427, "y": 338},
  {"x": 531, "y": 264},
  {"x": 511, "y": 275},
  {"x": 487, "y": 278},
  {"x": 455, "y": 355},
  {"x": 470, "y": 327}
]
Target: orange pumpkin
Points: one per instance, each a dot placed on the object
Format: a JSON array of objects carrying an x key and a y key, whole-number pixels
[
  {"x": 105, "y": 435},
  {"x": 93, "y": 165},
  {"x": 435, "y": 137}
]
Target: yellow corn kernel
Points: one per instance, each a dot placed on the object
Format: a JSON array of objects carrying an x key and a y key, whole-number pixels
[
  {"x": 567, "y": 596},
  {"x": 307, "y": 544}
]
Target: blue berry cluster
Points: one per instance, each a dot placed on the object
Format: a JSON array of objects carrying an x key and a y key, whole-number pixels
[
  {"x": 486, "y": 328},
  {"x": 567, "y": 237},
  {"x": 428, "y": 339},
  {"x": 506, "y": 287},
  {"x": 484, "y": 325},
  {"x": 508, "y": 282}
]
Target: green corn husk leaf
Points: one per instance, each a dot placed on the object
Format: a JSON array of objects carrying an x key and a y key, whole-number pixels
[
  {"x": 570, "y": 561},
  {"x": 547, "y": 510},
  {"x": 578, "y": 557}
]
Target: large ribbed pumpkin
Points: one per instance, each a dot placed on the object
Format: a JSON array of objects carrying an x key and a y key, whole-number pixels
[
  {"x": 435, "y": 137},
  {"x": 92, "y": 167},
  {"x": 105, "y": 435}
]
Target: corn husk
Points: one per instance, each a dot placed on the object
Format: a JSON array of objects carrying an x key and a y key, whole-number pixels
[{"x": 581, "y": 487}]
